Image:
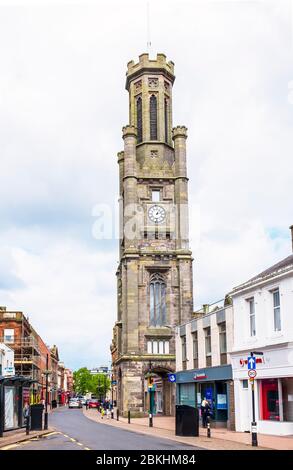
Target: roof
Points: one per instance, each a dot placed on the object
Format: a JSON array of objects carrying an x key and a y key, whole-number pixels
[{"x": 283, "y": 265}]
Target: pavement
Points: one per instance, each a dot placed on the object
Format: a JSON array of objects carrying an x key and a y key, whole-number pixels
[
  {"x": 221, "y": 439},
  {"x": 11, "y": 438},
  {"x": 72, "y": 430}
]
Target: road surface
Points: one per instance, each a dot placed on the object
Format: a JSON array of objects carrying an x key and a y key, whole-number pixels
[{"x": 76, "y": 432}]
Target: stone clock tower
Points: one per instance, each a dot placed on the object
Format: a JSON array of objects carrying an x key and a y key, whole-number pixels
[{"x": 154, "y": 277}]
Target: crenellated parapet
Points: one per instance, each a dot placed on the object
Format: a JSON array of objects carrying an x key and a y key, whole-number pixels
[
  {"x": 146, "y": 65},
  {"x": 179, "y": 131},
  {"x": 129, "y": 131}
]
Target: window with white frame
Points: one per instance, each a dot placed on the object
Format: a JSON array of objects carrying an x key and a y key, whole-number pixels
[
  {"x": 9, "y": 336},
  {"x": 277, "y": 310},
  {"x": 157, "y": 346},
  {"x": 156, "y": 195},
  {"x": 252, "y": 327}
]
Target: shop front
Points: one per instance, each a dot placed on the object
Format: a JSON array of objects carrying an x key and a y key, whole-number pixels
[
  {"x": 273, "y": 391},
  {"x": 14, "y": 395},
  {"x": 213, "y": 383}
]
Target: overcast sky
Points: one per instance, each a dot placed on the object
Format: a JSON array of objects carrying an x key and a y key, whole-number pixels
[{"x": 62, "y": 106}]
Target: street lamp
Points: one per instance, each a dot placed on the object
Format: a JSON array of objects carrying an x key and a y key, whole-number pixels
[
  {"x": 149, "y": 376},
  {"x": 47, "y": 372}
]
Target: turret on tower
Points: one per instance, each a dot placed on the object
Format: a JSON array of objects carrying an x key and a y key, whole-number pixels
[{"x": 149, "y": 83}]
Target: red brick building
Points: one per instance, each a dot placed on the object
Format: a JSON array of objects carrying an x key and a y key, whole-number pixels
[{"x": 30, "y": 354}]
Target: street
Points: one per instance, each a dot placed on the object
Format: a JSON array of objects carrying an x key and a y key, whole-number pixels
[{"x": 76, "y": 432}]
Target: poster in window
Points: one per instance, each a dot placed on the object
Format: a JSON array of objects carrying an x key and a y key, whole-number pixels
[{"x": 221, "y": 402}]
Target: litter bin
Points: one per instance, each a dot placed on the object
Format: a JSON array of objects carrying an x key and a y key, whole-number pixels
[
  {"x": 54, "y": 403},
  {"x": 187, "y": 421},
  {"x": 36, "y": 413}
]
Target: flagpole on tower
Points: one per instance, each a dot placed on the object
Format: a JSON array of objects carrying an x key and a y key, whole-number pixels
[{"x": 149, "y": 43}]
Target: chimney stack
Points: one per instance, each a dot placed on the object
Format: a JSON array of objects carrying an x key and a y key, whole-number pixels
[{"x": 291, "y": 228}]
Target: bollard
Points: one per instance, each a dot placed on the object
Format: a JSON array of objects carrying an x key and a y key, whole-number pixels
[
  {"x": 117, "y": 414},
  {"x": 27, "y": 425},
  {"x": 150, "y": 420},
  {"x": 128, "y": 416},
  {"x": 208, "y": 427}
]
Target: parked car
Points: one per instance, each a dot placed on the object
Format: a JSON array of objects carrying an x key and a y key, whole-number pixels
[
  {"x": 83, "y": 401},
  {"x": 74, "y": 403},
  {"x": 93, "y": 403}
]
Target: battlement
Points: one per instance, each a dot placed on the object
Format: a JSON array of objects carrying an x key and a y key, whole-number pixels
[
  {"x": 179, "y": 131},
  {"x": 147, "y": 65}
]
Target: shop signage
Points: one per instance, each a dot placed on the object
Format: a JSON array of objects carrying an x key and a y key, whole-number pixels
[
  {"x": 172, "y": 378},
  {"x": 258, "y": 360},
  {"x": 8, "y": 371},
  {"x": 252, "y": 373},
  {"x": 200, "y": 376}
]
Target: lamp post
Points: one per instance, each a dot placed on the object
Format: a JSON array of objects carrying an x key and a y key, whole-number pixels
[
  {"x": 254, "y": 442},
  {"x": 46, "y": 373},
  {"x": 149, "y": 377}
]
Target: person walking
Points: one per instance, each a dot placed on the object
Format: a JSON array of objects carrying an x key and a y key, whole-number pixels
[{"x": 205, "y": 410}]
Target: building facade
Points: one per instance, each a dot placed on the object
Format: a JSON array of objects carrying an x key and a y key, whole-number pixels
[
  {"x": 203, "y": 363},
  {"x": 30, "y": 354},
  {"x": 154, "y": 277},
  {"x": 263, "y": 323},
  {"x": 7, "y": 368}
]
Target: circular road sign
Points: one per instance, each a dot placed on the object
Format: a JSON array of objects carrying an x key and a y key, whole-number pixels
[{"x": 252, "y": 373}]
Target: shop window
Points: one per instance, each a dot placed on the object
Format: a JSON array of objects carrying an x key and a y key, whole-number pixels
[
  {"x": 277, "y": 310},
  {"x": 287, "y": 398},
  {"x": 270, "y": 400},
  {"x": 187, "y": 394}
]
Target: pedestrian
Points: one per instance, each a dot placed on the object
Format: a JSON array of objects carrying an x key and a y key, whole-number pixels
[
  {"x": 86, "y": 404},
  {"x": 205, "y": 411},
  {"x": 108, "y": 413},
  {"x": 102, "y": 413}
]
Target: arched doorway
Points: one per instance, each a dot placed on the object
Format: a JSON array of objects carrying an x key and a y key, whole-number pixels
[{"x": 163, "y": 398}]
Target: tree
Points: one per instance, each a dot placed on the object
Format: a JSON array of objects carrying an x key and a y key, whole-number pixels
[
  {"x": 97, "y": 384},
  {"x": 82, "y": 381}
]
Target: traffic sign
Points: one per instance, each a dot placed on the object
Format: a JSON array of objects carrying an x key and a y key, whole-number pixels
[
  {"x": 252, "y": 373},
  {"x": 172, "y": 378},
  {"x": 251, "y": 362}
]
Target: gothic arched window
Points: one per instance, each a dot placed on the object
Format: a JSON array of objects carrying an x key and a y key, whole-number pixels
[
  {"x": 166, "y": 119},
  {"x": 139, "y": 119},
  {"x": 157, "y": 300},
  {"x": 153, "y": 118}
]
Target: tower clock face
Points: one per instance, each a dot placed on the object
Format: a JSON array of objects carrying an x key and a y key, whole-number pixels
[{"x": 157, "y": 214}]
